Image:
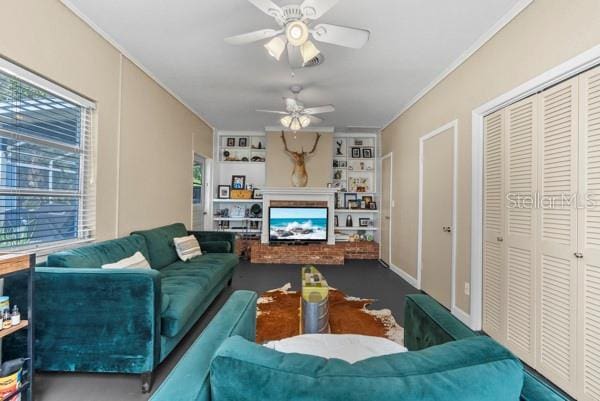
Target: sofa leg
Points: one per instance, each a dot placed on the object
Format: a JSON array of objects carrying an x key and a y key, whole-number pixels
[
  {"x": 229, "y": 282},
  {"x": 146, "y": 382}
]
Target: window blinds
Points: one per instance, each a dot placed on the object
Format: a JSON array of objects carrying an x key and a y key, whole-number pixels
[{"x": 47, "y": 180}]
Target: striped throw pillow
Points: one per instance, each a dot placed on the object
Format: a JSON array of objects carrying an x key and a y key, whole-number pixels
[
  {"x": 136, "y": 261},
  {"x": 187, "y": 247}
]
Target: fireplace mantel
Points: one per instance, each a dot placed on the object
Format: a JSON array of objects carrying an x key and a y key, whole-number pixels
[{"x": 315, "y": 194}]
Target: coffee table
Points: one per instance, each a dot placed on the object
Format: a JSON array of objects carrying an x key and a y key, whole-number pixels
[{"x": 314, "y": 302}]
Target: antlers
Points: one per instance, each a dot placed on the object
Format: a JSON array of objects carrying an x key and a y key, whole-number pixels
[{"x": 302, "y": 152}]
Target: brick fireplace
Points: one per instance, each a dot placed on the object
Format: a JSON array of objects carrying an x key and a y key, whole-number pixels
[{"x": 317, "y": 253}]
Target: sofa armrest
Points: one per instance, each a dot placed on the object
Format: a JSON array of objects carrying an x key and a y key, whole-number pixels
[
  {"x": 427, "y": 323},
  {"x": 97, "y": 320},
  {"x": 213, "y": 236},
  {"x": 189, "y": 380}
]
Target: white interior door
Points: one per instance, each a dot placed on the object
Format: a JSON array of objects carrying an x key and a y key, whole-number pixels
[
  {"x": 385, "y": 246},
  {"x": 494, "y": 272},
  {"x": 588, "y": 339},
  {"x": 557, "y": 237},
  {"x": 437, "y": 197},
  {"x": 520, "y": 228}
]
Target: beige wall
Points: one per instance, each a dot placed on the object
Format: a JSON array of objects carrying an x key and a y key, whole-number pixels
[
  {"x": 144, "y": 158},
  {"x": 280, "y": 166},
  {"x": 544, "y": 35}
]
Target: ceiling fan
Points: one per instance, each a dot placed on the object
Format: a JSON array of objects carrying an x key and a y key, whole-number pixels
[
  {"x": 296, "y": 28},
  {"x": 296, "y": 116}
]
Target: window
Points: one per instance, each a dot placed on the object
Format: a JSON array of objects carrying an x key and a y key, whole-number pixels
[{"x": 47, "y": 191}]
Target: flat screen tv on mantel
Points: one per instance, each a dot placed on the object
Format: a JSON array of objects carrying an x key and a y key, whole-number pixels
[{"x": 298, "y": 224}]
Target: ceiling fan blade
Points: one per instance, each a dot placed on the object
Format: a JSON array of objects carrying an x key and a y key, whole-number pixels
[
  {"x": 272, "y": 111},
  {"x": 341, "y": 35},
  {"x": 294, "y": 56},
  {"x": 319, "y": 109},
  {"x": 315, "y": 119},
  {"x": 250, "y": 37},
  {"x": 313, "y": 9},
  {"x": 268, "y": 7}
]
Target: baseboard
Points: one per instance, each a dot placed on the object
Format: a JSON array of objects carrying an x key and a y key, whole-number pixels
[
  {"x": 407, "y": 277},
  {"x": 461, "y": 315}
]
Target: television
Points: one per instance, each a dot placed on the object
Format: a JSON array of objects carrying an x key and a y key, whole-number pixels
[{"x": 298, "y": 224}]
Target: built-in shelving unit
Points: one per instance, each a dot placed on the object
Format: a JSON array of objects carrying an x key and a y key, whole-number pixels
[{"x": 354, "y": 172}]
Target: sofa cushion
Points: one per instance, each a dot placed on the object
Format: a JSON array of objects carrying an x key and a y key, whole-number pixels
[
  {"x": 216, "y": 246},
  {"x": 474, "y": 369},
  {"x": 160, "y": 243},
  {"x": 187, "y": 284},
  {"x": 96, "y": 255}
]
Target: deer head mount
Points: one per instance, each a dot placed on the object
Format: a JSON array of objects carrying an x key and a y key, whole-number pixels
[{"x": 299, "y": 174}]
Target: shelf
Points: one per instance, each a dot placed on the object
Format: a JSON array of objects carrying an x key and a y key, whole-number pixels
[
  {"x": 237, "y": 219},
  {"x": 238, "y": 200},
  {"x": 356, "y": 228},
  {"x": 356, "y": 211},
  {"x": 9, "y": 331}
]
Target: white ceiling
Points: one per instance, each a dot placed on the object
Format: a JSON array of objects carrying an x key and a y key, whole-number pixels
[{"x": 180, "y": 42}]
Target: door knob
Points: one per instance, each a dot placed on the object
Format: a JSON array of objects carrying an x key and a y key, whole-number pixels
[
  {"x": 447, "y": 229},
  {"x": 499, "y": 239},
  {"x": 387, "y": 217}
]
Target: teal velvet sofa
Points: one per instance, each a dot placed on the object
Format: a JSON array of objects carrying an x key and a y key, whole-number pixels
[
  {"x": 90, "y": 319},
  {"x": 224, "y": 363}
]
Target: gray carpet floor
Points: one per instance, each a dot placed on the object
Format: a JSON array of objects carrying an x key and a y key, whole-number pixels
[{"x": 366, "y": 279}]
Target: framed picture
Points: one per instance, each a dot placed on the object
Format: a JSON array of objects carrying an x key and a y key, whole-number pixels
[
  {"x": 238, "y": 181},
  {"x": 230, "y": 141},
  {"x": 340, "y": 147},
  {"x": 355, "y": 152},
  {"x": 342, "y": 163},
  {"x": 223, "y": 192},
  {"x": 368, "y": 199},
  {"x": 358, "y": 142},
  {"x": 363, "y": 204},
  {"x": 373, "y": 205},
  {"x": 349, "y": 197},
  {"x": 367, "y": 153},
  {"x": 364, "y": 222},
  {"x": 256, "y": 194},
  {"x": 243, "y": 142},
  {"x": 354, "y": 204}
]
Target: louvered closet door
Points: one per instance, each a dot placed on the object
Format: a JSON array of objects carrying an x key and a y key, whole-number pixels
[
  {"x": 521, "y": 183},
  {"x": 557, "y": 265},
  {"x": 589, "y": 238},
  {"x": 494, "y": 305}
]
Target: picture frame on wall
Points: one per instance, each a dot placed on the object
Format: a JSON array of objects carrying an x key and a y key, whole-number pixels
[
  {"x": 243, "y": 142},
  {"x": 358, "y": 142},
  {"x": 238, "y": 181},
  {"x": 364, "y": 222},
  {"x": 230, "y": 141},
  {"x": 349, "y": 197},
  {"x": 367, "y": 153},
  {"x": 224, "y": 192},
  {"x": 355, "y": 152}
]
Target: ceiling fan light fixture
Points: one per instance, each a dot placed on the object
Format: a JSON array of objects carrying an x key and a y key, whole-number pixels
[
  {"x": 309, "y": 51},
  {"x": 276, "y": 46},
  {"x": 296, "y": 33},
  {"x": 304, "y": 121},
  {"x": 295, "y": 124},
  {"x": 286, "y": 121}
]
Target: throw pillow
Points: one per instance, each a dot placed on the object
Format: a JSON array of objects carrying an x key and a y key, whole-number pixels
[
  {"x": 187, "y": 247},
  {"x": 136, "y": 261},
  {"x": 348, "y": 347}
]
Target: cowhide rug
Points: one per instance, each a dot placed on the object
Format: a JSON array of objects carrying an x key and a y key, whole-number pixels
[{"x": 278, "y": 316}]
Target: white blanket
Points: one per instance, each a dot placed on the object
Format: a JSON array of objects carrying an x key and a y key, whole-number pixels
[{"x": 348, "y": 347}]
